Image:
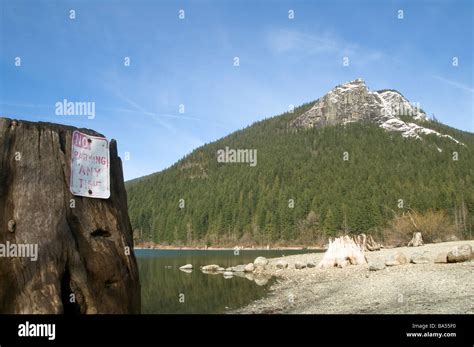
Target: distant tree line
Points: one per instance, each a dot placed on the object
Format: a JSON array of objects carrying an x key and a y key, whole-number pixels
[{"x": 302, "y": 189}]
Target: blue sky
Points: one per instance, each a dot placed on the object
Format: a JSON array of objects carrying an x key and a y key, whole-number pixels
[{"x": 191, "y": 62}]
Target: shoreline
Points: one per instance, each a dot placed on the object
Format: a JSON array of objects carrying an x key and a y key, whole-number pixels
[
  {"x": 174, "y": 248},
  {"x": 431, "y": 288}
]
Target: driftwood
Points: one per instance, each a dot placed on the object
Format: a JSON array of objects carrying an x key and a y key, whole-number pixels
[
  {"x": 341, "y": 252},
  {"x": 416, "y": 240},
  {"x": 82, "y": 263},
  {"x": 367, "y": 242}
]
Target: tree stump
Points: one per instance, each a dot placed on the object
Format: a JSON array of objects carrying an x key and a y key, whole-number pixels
[
  {"x": 342, "y": 252},
  {"x": 367, "y": 242},
  {"x": 416, "y": 240},
  {"x": 82, "y": 264}
]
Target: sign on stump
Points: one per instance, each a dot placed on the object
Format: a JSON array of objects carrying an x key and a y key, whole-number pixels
[{"x": 90, "y": 167}]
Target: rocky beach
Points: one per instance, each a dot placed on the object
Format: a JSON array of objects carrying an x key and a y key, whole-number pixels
[{"x": 422, "y": 282}]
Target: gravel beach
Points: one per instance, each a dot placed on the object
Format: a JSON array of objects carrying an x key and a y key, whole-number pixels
[{"x": 431, "y": 288}]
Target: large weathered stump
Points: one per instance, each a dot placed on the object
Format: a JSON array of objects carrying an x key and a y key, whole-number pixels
[
  {"x": 341, "y": 252},
  {"x": 85, "y": 259}
]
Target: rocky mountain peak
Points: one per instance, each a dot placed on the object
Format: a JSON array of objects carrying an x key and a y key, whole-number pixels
[{"x": 354, "y": 102}]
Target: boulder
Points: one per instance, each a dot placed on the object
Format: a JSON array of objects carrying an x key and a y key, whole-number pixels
[
  {"x": 416, "y": 240},
  {"x": 228, "y": 274},
  {"x": 300, "y": 265},
  {"x": 441, "y": 258},
  {"x": 459, "y": 254},
  {"x": 418, "y": 258},
  {"x": 85, "y": 245},
  {"x": 249, "y": 267},
  {"x": 311, "y": 264},
  {"x": 260, "y": 261},
  {"x": 281, "y": 264},
  {"x": 396, "y": 259},
  {"x": 210, "y": 268},
  {"x": 186, "y": 267},
  {"x": 376, "y": 266}
]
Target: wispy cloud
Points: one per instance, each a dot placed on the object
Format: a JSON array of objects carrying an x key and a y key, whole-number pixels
[
  {"x": 284, "y": 41},
  {"x": 147, "y": 113},
  {"x": 137, "y": 110},
  {"x": 113, "y": 84},
  {"x": 14, "y": 104},
  {"x": 455, "y": 84}
]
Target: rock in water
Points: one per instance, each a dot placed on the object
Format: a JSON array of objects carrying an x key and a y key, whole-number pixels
[
  {"x": 186, "y": 267},
  {"x": 459, "y": 254},
  {"x": 249, "y": 267},
  {"x": 211, "y": 268},
  {"x": 260, "y": 261},
  {"x": 85, "y": 245},
  {"x": 416, "y": 240}
]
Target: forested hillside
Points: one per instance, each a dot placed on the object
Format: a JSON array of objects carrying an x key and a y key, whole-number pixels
[{"x": 302, "y": 190}]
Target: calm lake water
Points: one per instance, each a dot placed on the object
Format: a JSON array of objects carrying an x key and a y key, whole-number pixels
[{"x": 163, "y": 284}]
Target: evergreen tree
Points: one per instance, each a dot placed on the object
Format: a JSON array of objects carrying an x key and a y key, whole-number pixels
[{"x": 228, "y": 201}]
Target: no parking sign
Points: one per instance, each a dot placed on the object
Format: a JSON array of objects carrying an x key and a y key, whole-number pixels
[{"x": 90, "y": 167}]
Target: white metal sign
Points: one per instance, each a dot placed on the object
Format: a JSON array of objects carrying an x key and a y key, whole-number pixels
[{"x": 90, "y": 169}]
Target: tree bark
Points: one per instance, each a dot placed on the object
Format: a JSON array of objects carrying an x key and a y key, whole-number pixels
[{"x": 82, "y": 264}]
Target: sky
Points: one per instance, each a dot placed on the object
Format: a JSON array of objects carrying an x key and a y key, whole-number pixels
[{"x": 164, "y": 85}]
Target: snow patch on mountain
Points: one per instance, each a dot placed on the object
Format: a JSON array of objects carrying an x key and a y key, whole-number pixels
[{"x": 353, "y": 101}]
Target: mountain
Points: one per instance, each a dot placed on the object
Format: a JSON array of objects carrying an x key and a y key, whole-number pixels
[
  {"x": 352, "y": 161},
  {"x": 353, "y": 102}
]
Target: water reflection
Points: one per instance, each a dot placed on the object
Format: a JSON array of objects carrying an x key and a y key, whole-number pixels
[{"x": 168, "y": 289}]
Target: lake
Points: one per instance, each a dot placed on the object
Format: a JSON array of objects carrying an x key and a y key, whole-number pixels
[{"x": 166, "y": 289}]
